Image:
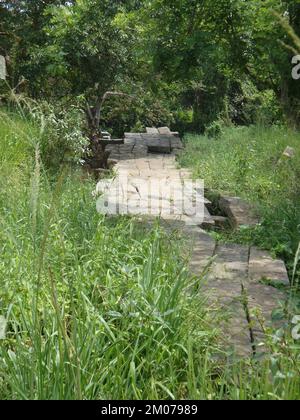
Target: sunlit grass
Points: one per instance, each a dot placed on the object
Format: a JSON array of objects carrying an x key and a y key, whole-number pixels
[
  {"x": 104, "y": 309},
  {"x": 249, "y": 162}
]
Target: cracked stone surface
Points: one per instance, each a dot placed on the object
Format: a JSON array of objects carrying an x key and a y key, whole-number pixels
[
  {"x": 236, "y": 331},
  {"x": 230, "y": 275},
  {"x": 229, "y": 285},
  {"x": 151, "y": 184}
]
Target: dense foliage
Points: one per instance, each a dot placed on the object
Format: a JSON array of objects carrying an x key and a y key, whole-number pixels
[{"x": 185, "y": 62}]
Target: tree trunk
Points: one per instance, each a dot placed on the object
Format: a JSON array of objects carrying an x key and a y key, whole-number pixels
[{"x": 96, "y": 156}]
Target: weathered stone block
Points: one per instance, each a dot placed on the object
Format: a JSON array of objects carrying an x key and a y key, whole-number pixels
[
  {"x": 164, "y": 130},
  {"x": 155, "y": 145},
  {"x": 231, "y": 263},
  {"x": 152, "y": 130},
  {"x": 239, "y": 212},
  {"x": 263, "y": 267}
]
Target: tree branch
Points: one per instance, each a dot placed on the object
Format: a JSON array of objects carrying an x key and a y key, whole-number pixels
[{"x": 101, "y": 101}]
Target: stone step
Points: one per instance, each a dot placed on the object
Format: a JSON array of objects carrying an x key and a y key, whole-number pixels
[
  {"x": 262, "y": 302},
  {"x": 231, "y": 263},
  {"x": 239, "y": 212},
  {"x": 152, "y": 130},
  {"x": 164, "y": 130},
  {"x": 155, "y": 141},
  {"x": 263, "y": 267},
  {"x": 156, "y": 145}
]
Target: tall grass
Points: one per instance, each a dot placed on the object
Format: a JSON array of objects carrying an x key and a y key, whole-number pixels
[
  {"x": 249, "y": 162},
  {"x": 103, "y": 309},
  {"x": 94, "y": 308}
]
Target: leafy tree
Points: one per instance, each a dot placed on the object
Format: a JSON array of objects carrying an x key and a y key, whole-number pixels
[{"x": 227, "y": 58}]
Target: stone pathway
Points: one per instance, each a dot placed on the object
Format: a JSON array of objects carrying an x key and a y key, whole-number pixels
[
  {"x": 149, "y": 183},
  {"x": 230, "y": 276}
]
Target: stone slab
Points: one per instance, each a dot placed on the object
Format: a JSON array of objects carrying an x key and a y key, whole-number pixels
[
  {"x": 203, "y": 249},
  {"x": 152, "y": 130},
  {"x": 265, "y": 298},
  {"x": 236, "y": 332},
  {"x": 164, "y": 130},
  {"x": 231, "y": 263},
  {"x": 262, "y": 302},
  {"x": 263, "y": 267},
  {"x": 239, "y": 212},
  {"x": 221, "y": 291}
]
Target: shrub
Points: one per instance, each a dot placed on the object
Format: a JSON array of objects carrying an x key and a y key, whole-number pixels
[
  {"x": 214, "y": 130},
  {"x": 61, "y": 136},
  {"x": 57, "y": 128}
]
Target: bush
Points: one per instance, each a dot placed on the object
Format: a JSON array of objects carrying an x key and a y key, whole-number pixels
[
  {"x": 58, "y": 129},
  {"x": 214, "y": 130},
  {"x": 61, "y": 136},
  {"x": 135, "y": 113},
  {"x": 249, "y": 105},
  {"x": 183, "y": 120}
]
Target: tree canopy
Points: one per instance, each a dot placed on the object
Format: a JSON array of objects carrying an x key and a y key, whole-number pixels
[{"x": 186, "y": 62}]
